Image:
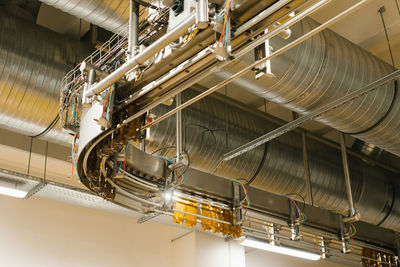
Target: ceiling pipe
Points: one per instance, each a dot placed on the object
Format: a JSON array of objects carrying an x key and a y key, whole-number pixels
[
  {"x": 110, "y": 15},
  {"x": 315, "y": 73},
  {"x": 280, "y": 172},
  {"x": 321, "y": 70},
  {"x": 33, "y": 61},
  {"x": 212, "y": 127}
]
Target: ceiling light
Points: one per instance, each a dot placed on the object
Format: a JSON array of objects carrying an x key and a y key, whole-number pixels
[
  {"x": 254, "y": 243},
  {"x": 168, "y": 195},
  {"x": 12, "y": 192}
]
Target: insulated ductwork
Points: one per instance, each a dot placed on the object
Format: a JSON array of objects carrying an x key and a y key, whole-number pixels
[
  {"x": 308, "y": 76},
  {"x": 323, "y": 69},
  {"x": 33, "y": 61},
  {"x": 212, "y": 128},
  {"x": 111, "y": 15}
]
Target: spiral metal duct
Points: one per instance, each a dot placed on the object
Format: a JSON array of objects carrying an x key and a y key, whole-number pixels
[
  {"x": 33, "y": 61},
  {"x": 308, "y": 76},
  {"x": 212, "y": 128},
  {"x": 323, "y": 69},
  {"x": 111, "y": 15}
]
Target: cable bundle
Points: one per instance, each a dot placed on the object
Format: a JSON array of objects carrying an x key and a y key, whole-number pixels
[
  {"x": 225, "y": 14},
  {"x": 48, "y": 129}
]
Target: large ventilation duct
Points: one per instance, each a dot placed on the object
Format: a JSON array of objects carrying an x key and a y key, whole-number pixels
[
  {"x": 111, "y": 15},
  {"x": 323, "y": 69},
  {"x": 308, "y": 76},
  {"x": 33, "y": 61},
  {"x": 212, "y": 128},
  {"x": 30, "y": 75}
]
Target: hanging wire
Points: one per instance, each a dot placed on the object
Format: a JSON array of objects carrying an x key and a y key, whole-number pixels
[
  {"x": 381, "y": 10},
  {"x": 180, "y": 176},
  {"x": 246, "y": 196},
  {"x": 398, "y": 6},
  {"x": 30, "y": 156}
]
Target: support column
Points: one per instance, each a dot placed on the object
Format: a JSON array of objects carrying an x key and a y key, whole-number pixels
[
  {"x": 133, "y": 37},
  {"x": 199, "y": 249},
  {"x": 179, "y": 144}
]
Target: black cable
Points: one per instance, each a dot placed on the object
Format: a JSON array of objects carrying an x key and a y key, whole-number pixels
[
  {"x": 160, "y": 149},
  {"x": 48, "y": 129},
  {"x": 302, "y": 199},
  {"x": 168, "y": 147},
  {"x": 261, "y": 165}
]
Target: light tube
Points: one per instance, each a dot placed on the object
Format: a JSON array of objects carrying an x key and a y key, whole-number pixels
[
  {"x": 12, "y": 192},
  {"x": 281, "y": 250}
]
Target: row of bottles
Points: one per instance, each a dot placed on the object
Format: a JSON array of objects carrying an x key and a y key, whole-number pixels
[{"x": 212, "y": 219}]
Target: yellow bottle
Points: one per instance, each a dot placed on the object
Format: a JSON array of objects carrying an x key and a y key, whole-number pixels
[
  {"x": 191, "y": 220},
  {"x": 206, "y": 224},
  {"x": 179, "y": 217}
]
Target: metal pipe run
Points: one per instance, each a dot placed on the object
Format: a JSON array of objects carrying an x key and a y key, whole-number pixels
[
  {"x": 261, "y": 16},
  {"x": 179, "y": 147},
  {"x": 352, "y": 210},
  {"x": 141, "y": 58},
  {"x": 246, "y": 69},
  {"x": 214, "y": 127},
  {"x": 204, "y": 74},
  {"x": 33, "y": 61},
  {"x": 306, "y": 167}
]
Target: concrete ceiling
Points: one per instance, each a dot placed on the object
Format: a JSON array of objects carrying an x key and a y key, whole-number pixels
[
  {"x": 364, "y": 27},
  {"x": 58, "y": 21}
]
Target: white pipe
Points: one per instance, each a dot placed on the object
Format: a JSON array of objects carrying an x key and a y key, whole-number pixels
[{"x": 142, "y": 57}]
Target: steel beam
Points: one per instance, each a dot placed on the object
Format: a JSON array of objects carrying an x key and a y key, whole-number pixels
[
  {"x": 306, "y": 167},
  {"x": 261, "y": 16},
  {"x": 36, "y": 189},
  {"x": 179, "y": 143},
  {"x": 296, "y": 123}
]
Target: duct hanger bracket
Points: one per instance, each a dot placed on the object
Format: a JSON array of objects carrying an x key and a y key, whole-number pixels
[
  {"x": 148, "y": 217},
  {"x": 295, "y": 223},
  {"x": 397, "y": 237},
  {"x": 345, "y": 235},
  {"x": 260, "y": 52},
  {"x": 36, "y": 189},
  {"x": 237, "y": 211}
]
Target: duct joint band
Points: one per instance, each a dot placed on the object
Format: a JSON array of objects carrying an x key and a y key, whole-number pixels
[
  {"x": 395, "y": 93},
  {"x": 390, "y": 208}
]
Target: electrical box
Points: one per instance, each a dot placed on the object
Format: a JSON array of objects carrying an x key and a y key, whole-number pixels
[{"x": 180, "y": 11}]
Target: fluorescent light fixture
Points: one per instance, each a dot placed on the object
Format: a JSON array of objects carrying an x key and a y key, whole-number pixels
[
  {"x": 254, "y": 243},
  {"x": 12, "y": 192}
]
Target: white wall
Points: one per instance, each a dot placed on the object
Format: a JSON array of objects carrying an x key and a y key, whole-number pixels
[{"x": 40, "y": 232}]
